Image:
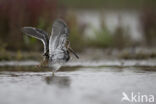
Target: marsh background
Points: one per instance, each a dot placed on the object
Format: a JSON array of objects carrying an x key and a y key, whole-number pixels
[{"x": 122, "y": 28}]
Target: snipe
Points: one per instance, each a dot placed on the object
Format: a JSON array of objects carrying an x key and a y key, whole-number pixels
[{"x": 56, "y": 47}]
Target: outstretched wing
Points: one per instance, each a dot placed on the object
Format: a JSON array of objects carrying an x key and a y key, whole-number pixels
[
  {"x": 39, "y": 34},
  {"x": 59, "y": 35}
]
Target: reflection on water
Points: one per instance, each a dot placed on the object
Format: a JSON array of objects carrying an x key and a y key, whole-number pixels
[
  {"x": 84, "y": 85},
  {"x": 60, "y": 81}
]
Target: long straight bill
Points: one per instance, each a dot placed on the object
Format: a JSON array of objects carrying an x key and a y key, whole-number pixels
[{"x": 71, "y": 50}]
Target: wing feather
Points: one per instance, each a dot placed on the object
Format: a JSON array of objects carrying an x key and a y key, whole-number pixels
[
  {"x": 39, "y": 34},
  {"x": 59, "y": 35}
]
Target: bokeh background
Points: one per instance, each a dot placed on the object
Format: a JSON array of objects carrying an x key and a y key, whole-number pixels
[{"x": 123, "y": 28}]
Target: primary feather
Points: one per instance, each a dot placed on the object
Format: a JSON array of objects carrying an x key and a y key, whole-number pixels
[
  {"x": 59, "y": 35},
  {"x": 39, "y": 34}
]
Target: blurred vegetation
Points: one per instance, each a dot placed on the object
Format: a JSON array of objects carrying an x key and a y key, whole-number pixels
[
  {"x": 137, "y": 56},
  {"x": 96, "y": 4},
  {"x": 77, "y": 40},
  {"x": 148, "y": 20},
  {"x": 20, "y": 55},
  {"x": 121, "y": 39},
  {"x": 14, "y": 14},
  {"x": 103, "y": 37}
]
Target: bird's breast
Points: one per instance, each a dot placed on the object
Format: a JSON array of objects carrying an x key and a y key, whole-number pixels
[{"x": 60, "y": 56}]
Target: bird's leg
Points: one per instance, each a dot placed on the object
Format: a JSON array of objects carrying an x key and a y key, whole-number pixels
[
  {"x": 71, "y": 50},
  {"x": 53, "y": 73},
  {"x": 44, "y": 62}
]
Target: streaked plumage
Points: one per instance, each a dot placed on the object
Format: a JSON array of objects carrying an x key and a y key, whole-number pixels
[{"x": 56, "y": 48}]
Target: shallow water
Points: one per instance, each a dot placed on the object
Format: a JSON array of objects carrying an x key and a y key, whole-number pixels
[{"x": 85, "y": 85}]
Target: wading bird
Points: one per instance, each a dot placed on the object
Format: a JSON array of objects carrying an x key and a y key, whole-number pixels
[{"x": 56, "y": 48}]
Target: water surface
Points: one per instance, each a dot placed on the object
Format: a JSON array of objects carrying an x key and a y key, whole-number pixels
[{"x": 84, "y": 85}]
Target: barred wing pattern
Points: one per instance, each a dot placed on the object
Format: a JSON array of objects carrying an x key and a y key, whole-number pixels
[
  {"x": 59, "y": 36},
  {"x": 39, "y": 34}
]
